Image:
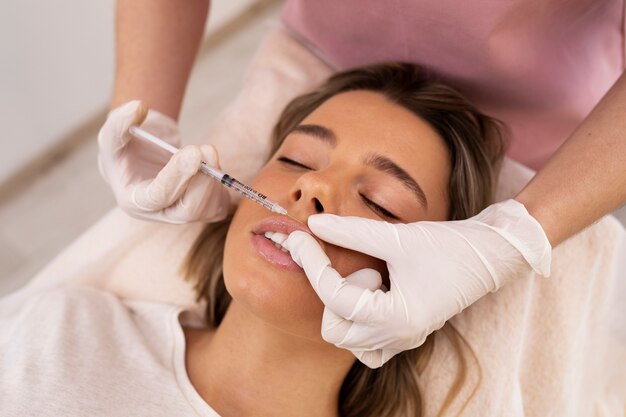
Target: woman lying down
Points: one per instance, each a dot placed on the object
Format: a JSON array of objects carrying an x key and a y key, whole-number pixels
[{"x": 381, "y": 142}]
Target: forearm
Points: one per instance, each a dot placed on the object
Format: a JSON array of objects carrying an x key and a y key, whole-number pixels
[
  {"x": 156, "y": 45},
  {"x": 586, "y": 177}
]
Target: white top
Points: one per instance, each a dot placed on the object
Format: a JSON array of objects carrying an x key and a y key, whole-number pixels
[{"x": 80, "y": 351}]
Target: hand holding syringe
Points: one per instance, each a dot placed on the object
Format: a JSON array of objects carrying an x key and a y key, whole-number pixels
[{"x": 225, "y": 179}]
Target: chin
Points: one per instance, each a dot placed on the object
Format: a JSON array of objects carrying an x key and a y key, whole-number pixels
[{"x": 263, "y": 281}]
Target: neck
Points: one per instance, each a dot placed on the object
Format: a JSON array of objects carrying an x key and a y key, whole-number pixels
[{"x": 248, "y": 367}]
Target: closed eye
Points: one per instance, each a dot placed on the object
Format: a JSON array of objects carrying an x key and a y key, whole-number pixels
[
  {"x": 381, "y": 211},
  {"x": 288, "y": 161}
]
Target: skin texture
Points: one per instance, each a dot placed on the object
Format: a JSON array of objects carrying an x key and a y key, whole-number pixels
[
  {"x": 272, "y": 328},
  {"x": 586, "y": 177},
  {"x": 156, "y": 42}
]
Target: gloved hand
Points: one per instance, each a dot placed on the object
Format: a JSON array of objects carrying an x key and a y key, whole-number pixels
[
  {"x": 147, "y": 181},
  {"x": 436, "y": 269}
]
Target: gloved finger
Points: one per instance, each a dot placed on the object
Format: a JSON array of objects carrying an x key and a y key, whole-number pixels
[
  {"x": 380, "y": 335},
  {"x": 170, "y": 182},
  {"x": 375, "y": 358},
  {"x": 372, "y": 237},
  {"x": 205, "y": 198},
  {"x": 335, "y": 327},
  {"x": 366, "y": 278},
  {"x": 371, "y": 359},
  {"x": 114, "y": 134},
  {"x": 336, "y": 293},
  {"x": 372, "y": 355},
  {"x": 365, "y": 336}
]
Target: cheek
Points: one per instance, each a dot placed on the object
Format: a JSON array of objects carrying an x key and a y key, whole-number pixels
[{"x": 271, "y": 182}]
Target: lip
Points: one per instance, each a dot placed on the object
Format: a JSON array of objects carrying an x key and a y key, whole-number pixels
[{"x": 266, "y": 248}]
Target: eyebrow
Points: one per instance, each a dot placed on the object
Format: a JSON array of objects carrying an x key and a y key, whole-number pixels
[
  {"x": 380, "y": 162},
  {"x": 319, "y": 132},
  {"x": 384, "y": 164}
]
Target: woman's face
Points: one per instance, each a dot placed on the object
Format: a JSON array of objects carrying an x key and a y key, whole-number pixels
[{"x": 358, "y": 154}]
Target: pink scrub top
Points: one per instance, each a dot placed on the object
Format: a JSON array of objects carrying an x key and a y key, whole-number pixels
[{"x": 538, "y": 66}]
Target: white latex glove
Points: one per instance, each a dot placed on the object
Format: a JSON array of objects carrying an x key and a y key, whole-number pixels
[
  {"x": 147, "y": 181},
  {"x": 436, "y": 269}
]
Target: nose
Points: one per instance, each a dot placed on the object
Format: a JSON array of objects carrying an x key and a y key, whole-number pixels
[{"x": 312, "y": 194}]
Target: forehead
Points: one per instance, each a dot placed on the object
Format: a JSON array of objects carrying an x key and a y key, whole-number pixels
[
  {"x": 369, "y": 118},
  {"x": 366, "y": 122}
]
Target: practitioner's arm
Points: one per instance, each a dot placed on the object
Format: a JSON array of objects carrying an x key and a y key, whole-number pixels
[
  {"x": 586, "y": 178},
  {"x": 156, "y": 45},
  {"x": 157, "y": 41}
]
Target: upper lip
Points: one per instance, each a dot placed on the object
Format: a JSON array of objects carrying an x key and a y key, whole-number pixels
[{"x": 279, "y": 224}]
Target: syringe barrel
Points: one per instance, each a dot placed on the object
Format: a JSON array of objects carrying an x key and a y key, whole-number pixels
[
  {"x": 247, "y": 191},
  {"x": 226, "y": 179}
]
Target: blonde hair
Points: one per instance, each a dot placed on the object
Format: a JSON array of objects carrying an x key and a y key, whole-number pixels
[{"x": 476, "y": 147}]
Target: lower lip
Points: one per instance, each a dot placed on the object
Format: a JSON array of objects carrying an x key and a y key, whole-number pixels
[{"x": 273, "y": 255}]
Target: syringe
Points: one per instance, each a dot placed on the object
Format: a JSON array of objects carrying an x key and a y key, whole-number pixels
[{"x": 225, "y": 179}]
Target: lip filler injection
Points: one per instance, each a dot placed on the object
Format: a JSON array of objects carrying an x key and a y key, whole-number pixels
[{"x": 225, "y": 179}]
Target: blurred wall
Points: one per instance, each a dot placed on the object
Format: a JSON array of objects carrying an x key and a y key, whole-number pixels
[{"x": 56, "y": 70}]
